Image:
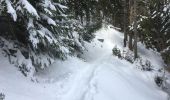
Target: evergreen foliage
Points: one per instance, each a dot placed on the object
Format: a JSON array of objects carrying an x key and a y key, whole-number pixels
[
  {"x": 45, "y": 29},
  {"x": 2, "y": 96},
  {"x": 116, "y": 52},
  {"x": 155, "y": 27}
]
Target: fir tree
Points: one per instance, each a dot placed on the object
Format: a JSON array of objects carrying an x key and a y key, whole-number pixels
[{"x": 49, "y": 31}]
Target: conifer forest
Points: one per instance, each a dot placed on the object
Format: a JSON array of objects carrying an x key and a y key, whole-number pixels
[{"x": 84, "y": 49}]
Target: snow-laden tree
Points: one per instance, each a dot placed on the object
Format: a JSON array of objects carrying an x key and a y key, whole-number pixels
[
  {"x": 166, "y": 30},
  {"x": 154, "y": 26},
  {"x": 49, "y": 31}
]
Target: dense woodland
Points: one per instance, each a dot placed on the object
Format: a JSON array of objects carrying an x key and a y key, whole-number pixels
[{"x": 53, "y": 29}]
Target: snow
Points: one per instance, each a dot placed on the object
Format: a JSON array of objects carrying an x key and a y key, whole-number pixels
[
  {"x": 26, "y": 5},
  {"x": 151, "y": 55},
  {"x": 98, "y": 76},
  {"x": 48, "y": 4},
  {"x": 11, "y": 10},
  {"x": 49, "y": 20},
  {"x": 42, "y": 32},
  {"x": 32, "y": 33},
  {"x": 61, "y": 6}
]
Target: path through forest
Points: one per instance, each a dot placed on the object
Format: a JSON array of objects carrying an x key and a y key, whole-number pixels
[{"x": 98, "y": 76}]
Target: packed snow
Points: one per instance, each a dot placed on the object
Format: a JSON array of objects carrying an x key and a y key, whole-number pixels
[{"x": 97, "y": 76}]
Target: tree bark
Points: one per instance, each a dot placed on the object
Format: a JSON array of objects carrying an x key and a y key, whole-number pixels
[
  {"x": 135, "y": 30},
  {"x": 131, "y": 18},
  {"x": 130, "y": 42},
  {"x": 125, "y": 23},
  {"x": 0, "y": 8}
]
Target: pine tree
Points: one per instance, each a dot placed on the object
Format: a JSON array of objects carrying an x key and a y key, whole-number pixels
[{"x": 49, "y": 31}]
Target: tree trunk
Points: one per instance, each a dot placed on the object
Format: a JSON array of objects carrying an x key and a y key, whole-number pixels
[
  {"x": 0, "y": 8},
  {"x": 135, "y": 30},
  {"x": 87, "y": 17},
  {"x": 125, "y": 23},
  {"x": 131, "y": 18},
  {"x": 130, "y": 42}
]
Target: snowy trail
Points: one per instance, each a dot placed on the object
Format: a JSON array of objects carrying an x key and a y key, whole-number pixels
[
  {"x": 84, "y": 85},
  {"x": 102, "y": 81},
  {"x": 106, "y": 78},
  {"x": 81, "y": 84},
  {"x": 100, "y": 77}
]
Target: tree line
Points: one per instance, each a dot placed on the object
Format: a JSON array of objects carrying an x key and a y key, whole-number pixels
[
  {"x": 148, "y": 22},
  {"x": 57, "y": 28}
]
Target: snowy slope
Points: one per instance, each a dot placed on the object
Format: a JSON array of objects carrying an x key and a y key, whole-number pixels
[{"x": 99, "y": 76}]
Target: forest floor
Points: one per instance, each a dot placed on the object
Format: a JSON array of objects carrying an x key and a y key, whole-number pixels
[{"x": 98, "y": 76}]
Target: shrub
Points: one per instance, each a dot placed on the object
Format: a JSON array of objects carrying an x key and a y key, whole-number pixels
[
  {"x": 129, "y": 56},
  {"x": 2, "y": 96},
  {"x": 116, "y": 52},
  {"x": 159, "y": 80},
  {"x": 145, "y": 65}
]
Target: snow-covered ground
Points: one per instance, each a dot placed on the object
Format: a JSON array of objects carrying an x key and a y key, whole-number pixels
[{"x": 98, "y": 76}]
